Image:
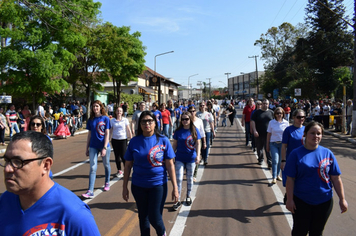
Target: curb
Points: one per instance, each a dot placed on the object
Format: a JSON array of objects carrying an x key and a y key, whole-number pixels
[{"x": 351, "y": 140}]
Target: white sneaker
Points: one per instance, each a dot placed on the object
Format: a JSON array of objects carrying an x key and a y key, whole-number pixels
[{"x": 120, "y": 174}]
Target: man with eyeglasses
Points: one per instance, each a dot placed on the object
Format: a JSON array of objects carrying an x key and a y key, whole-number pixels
[
  {"x": 33, "y": 204},
  {"x": 259, "y": 124},
  {"x": 136, "y": 117}
]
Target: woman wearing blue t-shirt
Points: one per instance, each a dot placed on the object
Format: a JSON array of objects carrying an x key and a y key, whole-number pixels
[
  {"x": 186, "y": 144},
  {"x": 312, "y": 171},
  {"x": 98, "y": 142},
  {"x": 158, "y": 116},
  {"x": 150, "y": 154}
]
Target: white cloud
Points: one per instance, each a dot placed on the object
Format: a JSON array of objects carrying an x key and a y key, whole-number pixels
[{"x": 161, "y": 24}]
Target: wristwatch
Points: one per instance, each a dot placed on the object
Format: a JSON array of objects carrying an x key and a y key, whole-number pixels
[{"x": 105, "y": 148}]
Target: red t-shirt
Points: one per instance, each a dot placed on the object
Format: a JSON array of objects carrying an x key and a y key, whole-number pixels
[
  {"x": 247, "y": 111},
  {"x": 165, "y": 116}
]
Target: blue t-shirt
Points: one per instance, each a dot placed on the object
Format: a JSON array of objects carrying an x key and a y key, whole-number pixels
[
  {"x": 311, "y": 170},
  {"x": 185, "y": 108},
  {"x": 158, "y": 116},
  {"x": 62, "y": 110},
  {"x": 293, "y": 137},
  {"x": 185, "y": 145},
  {"x": 171, "y": 110},
  {"x": 58, "y": 212},
  {"x": 148, "y": 157},
  {"x": 178, "y": 112},
  {"x": 97, "y": 126}
]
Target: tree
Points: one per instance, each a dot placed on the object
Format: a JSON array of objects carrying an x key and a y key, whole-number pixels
[
  {"x": 278, "y": 41},
  {"x": 36, "y": 58},
  {"x": 329, "y": 44},
  {"x": 123, "y": 59}
]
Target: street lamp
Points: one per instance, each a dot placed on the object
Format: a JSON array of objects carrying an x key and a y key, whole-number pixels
[
  {"x": 159, "y": 81},
  {"x": 189, "y": 85},
  {"x": 227, "y": 75},
  {"x": 243, "y": 84}
]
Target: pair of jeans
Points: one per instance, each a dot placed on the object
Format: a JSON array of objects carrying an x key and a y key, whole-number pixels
[
  {"x": 205, "y": 152},
  {"x": 275, "y": 149},
  {"x": 348, "y": 124},
  {"x": 49, "y": 124},
  {"x": 171, "y": 127},
  {"x": 166, "y": 130},
  {"x": 247, "y": 132},
  {"x": 179, "y": 175},
  {"x": 223, "y": 122},
  {"x": 93, "y": 157},
  {"x": 150, "y": 203},
  {"x": 310, "y": 218},
  {"x": 13, "y": 126},
  {"x": 261, "y": 143},
  {"x": 55, "y": 124}
]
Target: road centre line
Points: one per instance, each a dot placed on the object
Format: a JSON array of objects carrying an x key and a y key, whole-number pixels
[{"x": 275, "y": 188}]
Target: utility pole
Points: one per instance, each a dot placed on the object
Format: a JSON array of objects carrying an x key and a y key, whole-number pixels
[
  {"x": 227, "y": 84},
  {"x": 209, "y": 87},
  {"x": 257, "y": 86}
]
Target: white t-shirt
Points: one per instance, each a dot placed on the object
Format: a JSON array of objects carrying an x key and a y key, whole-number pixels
[
  {"x": 326, "y": 110},
  {"x": 119, "y": 128},
  {"x": 276, "y": 129},
  {"x": 200, "y": 126}
]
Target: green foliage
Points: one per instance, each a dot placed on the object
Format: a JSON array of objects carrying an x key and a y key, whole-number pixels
[
  {"x": 38, "y": 35},
  {"x": 130, "y": 99},
  {"x": 123, "y": 55}
]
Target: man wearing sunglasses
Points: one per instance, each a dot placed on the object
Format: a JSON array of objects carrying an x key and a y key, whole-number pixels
[{"x": 33, "y": 204}]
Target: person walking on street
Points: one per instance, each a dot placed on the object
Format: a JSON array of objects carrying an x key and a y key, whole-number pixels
[
  {"x": 119, "y": 133},
  {"x": 312, "y": 171},
  {"x": 149, "y": 177},
  {"x": 186, "y": 145},
  {"x": 98, "y": 126},
  {"x": 166, "y": 119},
  {"x": 208, "y": 122},
  {"x": 198, "y": 123},
  {"x": 259, "y": 124},
  {"x": 11, "y": 117},
  {"x": 246, "y": 118},
  {"x": 136, "y": 117},
  {"x": 33, "y": 204},
  {"x": 231, "y": 114},
  {"x": 274, "y": 141}
]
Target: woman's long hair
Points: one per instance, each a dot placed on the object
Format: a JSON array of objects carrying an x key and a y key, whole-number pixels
[
  {"x": 102, "y": 109},
  {"x": 156, "y": 131},
  {"x": 192, "y": 127},
  {"x": 43, "y": 129}
]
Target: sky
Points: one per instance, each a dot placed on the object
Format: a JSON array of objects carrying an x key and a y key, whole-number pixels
[{"x": 209, "y": 38}]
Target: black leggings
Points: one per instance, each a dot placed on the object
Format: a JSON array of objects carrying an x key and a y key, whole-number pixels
[
  {"x": 310, "y": 218},
  {"x": 119, "y": 151}
]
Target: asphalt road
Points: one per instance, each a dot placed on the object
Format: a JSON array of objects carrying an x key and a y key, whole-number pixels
[{"x": 233, "y": 195}]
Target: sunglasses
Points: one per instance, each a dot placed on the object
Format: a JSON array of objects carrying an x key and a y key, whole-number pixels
[
  {"x": 36, "y": 124},
  {"x": 193, "y": 111},
  {"x": 279, "y": 113},
  {"x": 185, "y": 119},
  {"x": 149, "y": 121},
  {"x": 300, "y": 117}
]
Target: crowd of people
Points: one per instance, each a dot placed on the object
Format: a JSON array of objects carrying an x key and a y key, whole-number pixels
[
  {"x": 166, "y": 140},
  {"x": 309, "y": 171},
  {"x": 61, "y": 121}
]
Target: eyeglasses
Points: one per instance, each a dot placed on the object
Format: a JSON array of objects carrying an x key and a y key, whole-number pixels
[
  {"x": 300, "y": 117},
  {"x": 279, "y": 113},
  {"x": 36, "y": 124},
  {"x": 16, "y": 162},
  {"x": 185, "y": 119},
  {"x": 265, "y": 103},
  {"x": 202, "y": 105},
  {"x": 192, "y": 111},
  {"x": 149, "y": 121}
]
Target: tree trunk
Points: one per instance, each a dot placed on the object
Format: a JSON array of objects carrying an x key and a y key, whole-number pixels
[
  {"x": 118, "y": 92},
  {"x": 88, "y": 101}
]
